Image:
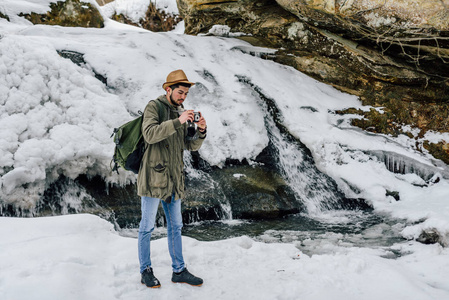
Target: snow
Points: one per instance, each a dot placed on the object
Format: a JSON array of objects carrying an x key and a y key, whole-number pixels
[
  {"x": 374, "y": 20},
  {"x": 56, "y": 119},
  {"x": 223, "y": 30},
  {"x": 135, "y": 9},
  {"x": 15, "y": 7},
  {"x": 82, "y": 257}
]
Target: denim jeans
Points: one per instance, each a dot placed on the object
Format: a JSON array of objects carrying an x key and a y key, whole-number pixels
[{"x": 174, "y": 224}]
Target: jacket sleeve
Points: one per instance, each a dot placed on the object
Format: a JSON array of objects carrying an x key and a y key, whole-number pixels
[
  {"x": 196, "y": 144},
  {"x": 152, "y": 131}
]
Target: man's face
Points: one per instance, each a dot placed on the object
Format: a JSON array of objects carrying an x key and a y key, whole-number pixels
[{"x": 178, "y": 95}]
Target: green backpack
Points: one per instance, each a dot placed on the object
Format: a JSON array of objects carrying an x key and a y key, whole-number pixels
[{"x": 129, "y": 143}]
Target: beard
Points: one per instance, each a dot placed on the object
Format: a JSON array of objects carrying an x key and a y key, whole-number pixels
[{"x": 173, "y": 102}]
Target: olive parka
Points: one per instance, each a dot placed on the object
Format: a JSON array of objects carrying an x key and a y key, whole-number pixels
[{"x": 161, "y": 171}]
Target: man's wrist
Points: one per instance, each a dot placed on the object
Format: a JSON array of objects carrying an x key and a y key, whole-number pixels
[{"x": 202, "y": 130}]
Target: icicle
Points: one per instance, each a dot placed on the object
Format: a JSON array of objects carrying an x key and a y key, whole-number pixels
[{"x": 401, "y": 164}]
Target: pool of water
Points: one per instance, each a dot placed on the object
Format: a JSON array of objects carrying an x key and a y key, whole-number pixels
[{"x": 319, "y": 234}]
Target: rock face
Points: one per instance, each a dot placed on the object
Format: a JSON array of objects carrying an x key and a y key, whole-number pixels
[
  {"x": 395, "y": 42},
  {"x": 377, "y": 45},
  {"x": 393, "y": 54},
  {"x": 256, "y": 193}
]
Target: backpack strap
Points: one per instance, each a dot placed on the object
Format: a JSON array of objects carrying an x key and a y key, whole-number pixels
[
  {"x": 160, "y": 111},
  {"x": 163, "y": 114}
]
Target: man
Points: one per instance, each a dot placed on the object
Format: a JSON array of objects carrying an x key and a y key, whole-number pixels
[{"x": 161, "y": 174}]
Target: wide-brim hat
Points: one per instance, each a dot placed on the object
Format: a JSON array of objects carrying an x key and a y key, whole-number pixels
[{"x": 175, "y": 77}]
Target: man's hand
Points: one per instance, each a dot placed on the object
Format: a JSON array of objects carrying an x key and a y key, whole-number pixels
[
  {"x": 201, "y": 123},
  {"x": 186, "y": 116}
]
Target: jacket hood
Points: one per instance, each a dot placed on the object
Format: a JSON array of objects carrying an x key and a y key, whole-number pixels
[{"x": 164, "y": 100}]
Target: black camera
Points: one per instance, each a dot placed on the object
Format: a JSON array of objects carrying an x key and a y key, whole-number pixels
[
  {"x": 191, "y": 130},
  {"x": 196, "y": 116}
]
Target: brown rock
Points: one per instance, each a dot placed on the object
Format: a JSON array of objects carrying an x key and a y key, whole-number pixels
[{"x": 71, "y": 13}]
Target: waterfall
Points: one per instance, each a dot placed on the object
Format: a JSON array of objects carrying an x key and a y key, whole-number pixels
[
  {"x": 205, "y": 184},
  {"x": 314, "y": 189}
]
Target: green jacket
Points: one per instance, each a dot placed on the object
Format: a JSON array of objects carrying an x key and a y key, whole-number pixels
[{"x": 162, "y": 169}]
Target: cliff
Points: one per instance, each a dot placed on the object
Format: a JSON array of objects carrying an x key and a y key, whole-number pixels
[{"x": 392, "y": 54}]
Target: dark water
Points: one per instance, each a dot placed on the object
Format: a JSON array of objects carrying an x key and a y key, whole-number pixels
[{"x": 312, "y": 235}]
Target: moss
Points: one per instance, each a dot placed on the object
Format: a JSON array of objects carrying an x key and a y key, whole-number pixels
[
  {"x": 375, "y": 121},
  {"x": 439, "y": 150},
  {"x": 254, "y": 180},
  {"x": 425, "y": 117},
  {"x": 71, "y": 13}
]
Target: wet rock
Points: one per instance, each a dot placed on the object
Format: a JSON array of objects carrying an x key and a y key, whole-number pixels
[
  {"x": 393, "y": 194},
  {"x": 124, "y": 203},
  {"x": 256, "y": 193},
  {"x": 241, "y": 191},
  {"x": 432, "y": 236},
  {"x": 78, "y": 59},
  {"x": 69, "y": 13},
  {"x": 4, "y": 16}
]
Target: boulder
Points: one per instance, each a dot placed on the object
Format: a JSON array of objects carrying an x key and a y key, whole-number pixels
[
  {"x": 432, "y": 236},
  {"x": 69, "y": 13},
  {"x": 256, "y": 192}
]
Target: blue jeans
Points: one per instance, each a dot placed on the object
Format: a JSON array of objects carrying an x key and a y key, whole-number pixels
[{"x": 174, "y": 224}]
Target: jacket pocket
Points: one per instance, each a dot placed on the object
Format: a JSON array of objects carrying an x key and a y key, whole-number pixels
[{"x": 159, "y": 176}]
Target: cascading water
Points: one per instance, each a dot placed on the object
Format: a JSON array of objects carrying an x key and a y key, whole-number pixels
[
  {"x": 207, "y": 184},
  {"x": 314, "y": 189}
]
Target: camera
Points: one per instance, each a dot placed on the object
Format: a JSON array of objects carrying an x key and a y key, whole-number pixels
[
  {"x": 196, "y": 116},
  {"x": 191, "y": 131}
]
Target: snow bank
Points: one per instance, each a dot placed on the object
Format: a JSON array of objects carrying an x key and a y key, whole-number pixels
[
  {"x": 135, "y": 10},
  {"x": 81, "y": 257},
  {"x": 56, "y": 118}
]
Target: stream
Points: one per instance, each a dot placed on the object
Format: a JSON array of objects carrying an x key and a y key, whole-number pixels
[{"x": 312, "y": 235}]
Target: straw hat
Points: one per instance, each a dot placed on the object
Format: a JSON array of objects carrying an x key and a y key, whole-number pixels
[{"x": 174, "y": 77}]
